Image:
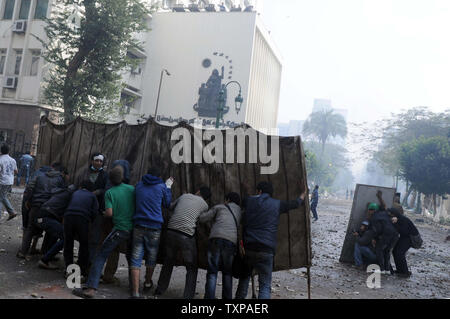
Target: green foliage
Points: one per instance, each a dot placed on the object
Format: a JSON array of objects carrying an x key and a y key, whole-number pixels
[
  {"x": 323, "y": 169},
  {"x": 324, "y": 124},
  {"x": 384, "y": 140},
  {"x": 425, "y": 162},
  {"x": 86, "y": 61}
]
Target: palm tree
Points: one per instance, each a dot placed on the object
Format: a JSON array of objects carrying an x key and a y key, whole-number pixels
[{"x": 323, "y": 124}]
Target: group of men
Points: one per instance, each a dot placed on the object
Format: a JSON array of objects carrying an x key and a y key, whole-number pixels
[
  {"x": 385, "y": 231},
  {"x": 107, "y": 216}
]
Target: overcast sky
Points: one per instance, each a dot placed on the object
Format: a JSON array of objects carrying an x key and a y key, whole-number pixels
[{"x": 372, "y": 57}]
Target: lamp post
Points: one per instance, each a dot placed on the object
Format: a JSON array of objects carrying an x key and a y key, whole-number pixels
[
  {"x": 159, "y": 90},
  {"x": 237, "y": 102}
]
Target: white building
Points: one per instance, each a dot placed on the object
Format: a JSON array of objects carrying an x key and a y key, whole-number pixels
[
  {"x": 211, "y": 50},
  {"x": 180, "y": 42}
]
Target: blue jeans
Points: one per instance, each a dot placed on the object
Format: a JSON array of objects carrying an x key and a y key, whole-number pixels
[
  {"x": 114, "y": 239},
  {"x": 364, "y": 255},
  {"x": 145, "y": 243},
  {"x": 220, "y": 257},
  {"x": 4, "y": 190},
  {"x": 24, "y": 171},
  {"x": 262, "y": 263}
]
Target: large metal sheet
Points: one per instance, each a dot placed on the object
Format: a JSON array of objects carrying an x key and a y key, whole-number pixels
[{"x": 364, "y": 194}]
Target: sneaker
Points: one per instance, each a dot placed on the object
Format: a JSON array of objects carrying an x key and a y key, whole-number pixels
[
  {"x": 44, "y": 265},
  {"x": 147, "y": 286},
  {"x": 11, "y": 216}
]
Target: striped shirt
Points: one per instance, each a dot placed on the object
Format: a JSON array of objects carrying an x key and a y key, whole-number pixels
[{"x": 188, "y": 208}]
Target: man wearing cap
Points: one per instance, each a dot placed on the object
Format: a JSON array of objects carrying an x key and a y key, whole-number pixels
[
  {"x": 364, "y": 253},
  {"x": 385, "y": 235}
]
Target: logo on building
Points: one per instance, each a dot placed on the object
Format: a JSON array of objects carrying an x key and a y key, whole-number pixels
[{"x": 209, "y": 93}]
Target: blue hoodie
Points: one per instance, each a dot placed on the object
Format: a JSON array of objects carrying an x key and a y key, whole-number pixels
[{"x": 151, "y": 194}]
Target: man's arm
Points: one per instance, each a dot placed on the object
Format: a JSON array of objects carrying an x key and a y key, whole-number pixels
[
  {"x": 286, "y": 206},
  {"x": 109, "y": 212},
  {"x": 208, "y": 215}
]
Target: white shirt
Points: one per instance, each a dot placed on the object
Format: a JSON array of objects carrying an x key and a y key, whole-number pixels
[{"x": 7, "y": 167}]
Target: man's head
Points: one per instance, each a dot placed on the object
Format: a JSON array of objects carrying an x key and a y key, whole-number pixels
[
  {"x": 264, "y": 187},
  {"x": 316, "y": 187},
  {"x": 397, "y": 198},
  {"x": 88, "y": 185},
  {"x": 364, "y": 226},
  {"x": 154, "y": 171},
  {"x": 393, "y": 212},
  {"x": 116, "y": 175},
  {"x": 97, "y": 160},
  {"x": 4, "y": 149},
  {"x": 57, "y": 166},
  {"x": 372, "y": 208},
  {"x": 233, "y": 198},
  {"x": 204, "y": 192}
]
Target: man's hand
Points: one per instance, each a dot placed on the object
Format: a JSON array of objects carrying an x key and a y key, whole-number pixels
[
  {"x": 355, "y": 234},
  {"x": 394, "y": 220},
  {"x": 302, "y": 196},
  {"x": 374, "y": 242},
  {"x": 170, "y": 181}
]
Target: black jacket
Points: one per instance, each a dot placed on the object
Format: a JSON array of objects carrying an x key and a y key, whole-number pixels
[
  {"x": 405, "y": 226},
  {"x": 44, "y": 186},
  {"x": 57, "y": 204},
  {"x": 100, "y": 185},
  {"x": 84, "y": 204},
  {"x": 382, "y": 225}
]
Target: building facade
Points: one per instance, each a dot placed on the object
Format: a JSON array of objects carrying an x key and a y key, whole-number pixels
[
  {"x": 214, "y": 51},
  {"x": 186, "y": 38}
]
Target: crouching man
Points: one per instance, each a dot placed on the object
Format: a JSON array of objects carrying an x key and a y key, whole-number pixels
[{"x": 364, "y": 253}]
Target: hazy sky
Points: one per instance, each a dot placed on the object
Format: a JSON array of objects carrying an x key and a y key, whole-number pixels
[{"x": 372, "y": 57}]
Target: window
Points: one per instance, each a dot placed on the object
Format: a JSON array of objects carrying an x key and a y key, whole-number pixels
[
  {"x": 41, "y": 9},
  {"x": 9, "y": 9},
  {"x": 24, "y": 9},
  {"x": 18, "y": 62},
  {"x": 35, "y": 57},
  {"x": 2, "y": 60}
]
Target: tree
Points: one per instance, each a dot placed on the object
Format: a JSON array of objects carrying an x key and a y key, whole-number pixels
[
  {"x": 323, "y": 124},
  {"x": 86, "y": 59},
  {"x": 425, "y": 162},
  {"x": 324, "y": 171}
]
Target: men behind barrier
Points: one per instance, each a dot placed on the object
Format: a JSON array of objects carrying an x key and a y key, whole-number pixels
[
  {"x": 120, "y": 205},
  {"x": 260, "y": 227},
  {"x": 81, "y": 211},
  {"x": 50, "y": 219},
  {"x": 385, "y": 235},
  {"x": 222, "y": 244},
  {"x": 180, "y": 238},
  {"x": 364, "y": 253},
  {"x": 151, "y": 194}
]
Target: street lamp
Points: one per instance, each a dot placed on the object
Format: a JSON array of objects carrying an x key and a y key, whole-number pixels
[
  {"x": 159, "y": 90},
  {"x": 237, "y": 102}
]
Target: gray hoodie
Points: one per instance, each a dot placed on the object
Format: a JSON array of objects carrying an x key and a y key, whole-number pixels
[{"x": 223, "y": 224}]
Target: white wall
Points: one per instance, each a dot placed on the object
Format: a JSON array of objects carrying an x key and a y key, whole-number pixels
[{"x": 180, "y": 42}]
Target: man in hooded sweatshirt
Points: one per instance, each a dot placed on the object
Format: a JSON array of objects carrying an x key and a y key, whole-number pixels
[{"x": 151, "y": 194}]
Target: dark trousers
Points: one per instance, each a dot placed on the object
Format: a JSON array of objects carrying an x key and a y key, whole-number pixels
[
  {"x": 95, "y": 237},
  {"x": 55, "y": 232},
  {"x": 383, "y": 250},
  {"x": 76, "y": 227},
  {"x": 220, "y": 257},
  {"x": 314, "y": 211},
  {"x": 187, "y": 246},
  {"x": 399, "y": 253},
  {"x": 30, "y": 230}
]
